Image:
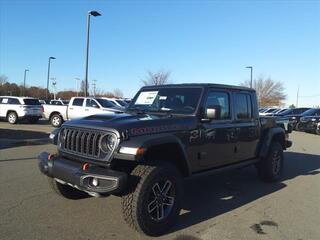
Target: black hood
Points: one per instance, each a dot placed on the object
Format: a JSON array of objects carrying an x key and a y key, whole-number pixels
[
  {"x": 309, "y": 118},
  {"x": 136, "y": 124}
]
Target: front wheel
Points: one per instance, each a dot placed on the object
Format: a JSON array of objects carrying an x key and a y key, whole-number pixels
[
  {"x": 270, "y": 168},
  {"x": 152, "y": 203}
]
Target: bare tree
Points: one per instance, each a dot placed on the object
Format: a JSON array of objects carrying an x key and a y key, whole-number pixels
[
  {"x": 118, "y": 93},
  {"x": 159, "y": 78},
  {"x": 269, "y": 92}
]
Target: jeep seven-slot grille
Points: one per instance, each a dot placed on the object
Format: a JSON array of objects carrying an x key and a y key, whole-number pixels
[{"x": 81, "y": 142}]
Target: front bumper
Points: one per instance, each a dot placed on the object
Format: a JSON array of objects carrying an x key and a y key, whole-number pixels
[{"x": 74, "y": 174}]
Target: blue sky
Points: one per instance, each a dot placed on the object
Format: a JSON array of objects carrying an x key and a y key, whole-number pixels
[{"x": 198, "y": 41}]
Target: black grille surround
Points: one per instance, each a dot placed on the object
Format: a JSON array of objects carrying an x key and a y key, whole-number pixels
[{"x": 76, "y": 142}]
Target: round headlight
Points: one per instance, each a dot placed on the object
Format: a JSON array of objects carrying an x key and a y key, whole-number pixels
[
  {"x": 108, "y": 142},
  {"x": 62, "y": 135}
]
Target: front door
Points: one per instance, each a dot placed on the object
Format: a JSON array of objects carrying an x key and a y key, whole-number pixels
[
  {"x": 217, "y": 136},
  {"x": 76, "y": 109}
]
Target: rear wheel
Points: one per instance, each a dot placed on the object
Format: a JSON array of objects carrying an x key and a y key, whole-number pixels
[
  {"x": 152, "y": 204},
  {"x": 65, "y": 190},
  {"x": 271, "y": 168},
  {"x": 12, "y": 118},
  {"x": 56, "y": 120}
]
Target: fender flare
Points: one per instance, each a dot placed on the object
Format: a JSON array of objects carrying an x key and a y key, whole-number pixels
[
  {"x": 267, "y": 140},
  {"x": 149, "y": 141}
]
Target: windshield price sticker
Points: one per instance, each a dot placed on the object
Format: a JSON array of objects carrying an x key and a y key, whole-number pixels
[{"x": 146, "y": 98}]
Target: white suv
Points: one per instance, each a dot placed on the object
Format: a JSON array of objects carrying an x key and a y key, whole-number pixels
[{"x": 16, "y": 108}]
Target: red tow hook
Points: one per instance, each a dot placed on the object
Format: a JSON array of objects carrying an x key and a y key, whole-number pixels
[
  {"x": 85, "y": 166},
  {"x": 50, "y": 157}
]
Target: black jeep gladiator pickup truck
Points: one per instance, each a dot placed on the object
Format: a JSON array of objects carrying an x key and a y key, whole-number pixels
[{"x": 167, "y": 133}]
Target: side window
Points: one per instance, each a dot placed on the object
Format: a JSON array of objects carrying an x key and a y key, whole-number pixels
[
  {"x": 77, "y": 102},
  {"x": 221, "y": 99},
  {"x": 4, "y": 101},
  {"x": 13, "y": 101},
  {"x": 243, "y": 106},
  {"x": 91, "y": 103}
]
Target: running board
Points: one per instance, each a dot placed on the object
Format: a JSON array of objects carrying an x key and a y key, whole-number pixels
[{"x": 218, "y": 170}]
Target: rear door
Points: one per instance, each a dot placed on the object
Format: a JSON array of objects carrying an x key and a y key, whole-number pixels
[
  {"x": 246, "y": 125},
  {"x": 76, "y": 108}
]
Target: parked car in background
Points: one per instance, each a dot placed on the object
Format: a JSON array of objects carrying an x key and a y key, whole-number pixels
[
  {"x": 310, "y": 124},
  {"x": 294, "y": 119},
  {"x": 78, "y": 107},
  {"x": 118, "y": 102},
  {"x": 268, "y": 111},
  {"x": 59, "y": 102},
  {"x": 18, "y": 108},
  {"x": 291, "y": 111}
]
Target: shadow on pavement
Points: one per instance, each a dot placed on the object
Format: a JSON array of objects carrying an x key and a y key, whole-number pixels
[
  {"x": 211, "y": 196},
  {"x": 14, "y": 138},
  {"x": 18, "y": 159}
]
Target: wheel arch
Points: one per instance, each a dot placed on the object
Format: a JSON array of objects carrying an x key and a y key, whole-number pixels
[
  {"x": 54, "y": 113},
  {"x": 273, "y": 135}
]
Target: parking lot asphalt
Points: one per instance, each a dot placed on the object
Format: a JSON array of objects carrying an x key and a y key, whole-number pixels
[{"x": 233, "y": 205}]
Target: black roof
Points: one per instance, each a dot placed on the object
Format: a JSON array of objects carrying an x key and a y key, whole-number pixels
[{"x": 204, "y": 85}]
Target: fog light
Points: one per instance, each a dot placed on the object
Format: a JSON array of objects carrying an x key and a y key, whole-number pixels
[{"x": 95, "y": 182}]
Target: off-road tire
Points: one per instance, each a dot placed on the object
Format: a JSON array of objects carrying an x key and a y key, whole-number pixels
[
  {"x": 12, "y": 117},
  {"x": 65, "y": 190},
  {"x": 270, "y": 168},
  {"x": 136, "y": 201},
  {"x": 298, "y": 127},
  {"x": 56, "y": 120}
]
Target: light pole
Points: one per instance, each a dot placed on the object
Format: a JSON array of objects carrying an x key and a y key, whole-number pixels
[
  {"x": 77, "y": 85},
  {"x": 251, "y": 76},
  {"x": 24, "y": 80},
  {"x": 95, "y": 14},
  {"x": 48, "y": 76}
]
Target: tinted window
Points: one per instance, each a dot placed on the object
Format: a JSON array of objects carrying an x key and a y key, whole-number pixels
[
  {"x": 91, "y": 103},
  {"x": 30, "y": 101},
  {"x": 311, "y": 112},
  {"x": 13, "y": 101},
  {"x": 221, "y": 99},
  {"x": 56, "y": 103},
  {"x": 243, "y": 106},
  {"x": 122, "y": 103},
  {"x": 77, "y": 102},
  {"x": 106, "y": 103}
]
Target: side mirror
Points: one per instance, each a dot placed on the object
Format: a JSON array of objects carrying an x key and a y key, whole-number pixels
[
  {"x": 95, "y": 106},
  {"x": 213, "y": 112}
]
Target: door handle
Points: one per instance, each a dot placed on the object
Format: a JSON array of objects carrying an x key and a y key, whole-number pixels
[
  {"x": 87, "y": 109},
  {"x": 71, "y": 108}
]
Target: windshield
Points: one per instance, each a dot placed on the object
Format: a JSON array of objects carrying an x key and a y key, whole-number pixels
[
  {"x": 173, "y": 100},
  {"x": 122, "y": 103},
  {"x": 105, "y": 103},
  {"x": 31, "y": 101},
  {"x": 310, "y": 112}
]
